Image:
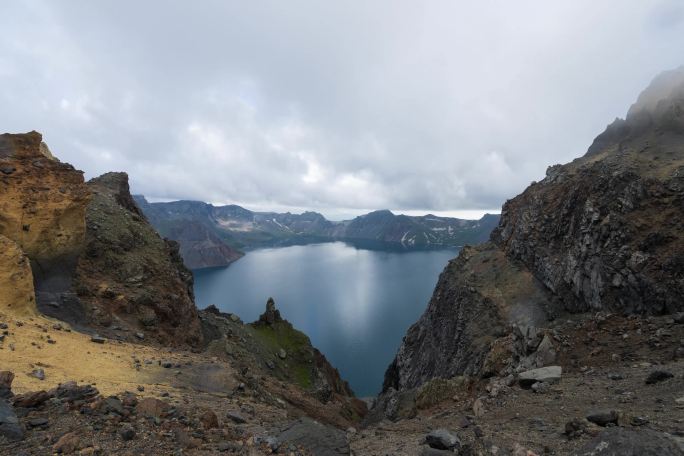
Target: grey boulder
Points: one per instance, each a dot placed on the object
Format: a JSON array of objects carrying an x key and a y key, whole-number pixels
[
  {"x": 9, "y": 423},
  {"x": 442, "y": 439},
  {"x": 549, "y": 374}
]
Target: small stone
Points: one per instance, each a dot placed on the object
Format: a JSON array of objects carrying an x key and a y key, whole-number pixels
[
  {"x": 479, "y": 407},
  {"x": 282, "y": 354},
  {"x": 141, "y": 388},
  {"x": 7, "y": 169},
  {"x": 140, "y": 335},
  {"x": 209, "y": 420},
  {"x": 38, "y": 422},
  {"x": 68, "y": 443},
  {"x": 575, "y": 428},
  {"x": 638, "y": 421},
  {"x": 98, "y": 339},
  {"x": 658, "y": 376},
  {"x": 442, "y": 439},
  {"x": 603, "y": 417},
  {"x": 38, "y": 373},
  {"x": 127, "y": 433},
  {"x": 228, "y": 446},
  {"x": 235, "y": 417},
  {"x": 615, "y": 376},
  {"x": 540, "y": 387}
]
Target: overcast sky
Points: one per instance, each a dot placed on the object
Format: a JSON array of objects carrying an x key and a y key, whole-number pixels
[{"x": 335, "y": 106}]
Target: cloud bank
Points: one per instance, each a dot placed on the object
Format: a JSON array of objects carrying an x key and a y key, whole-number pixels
[{"x": 339, "y": 107}]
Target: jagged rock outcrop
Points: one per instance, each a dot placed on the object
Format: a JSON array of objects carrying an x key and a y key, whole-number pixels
[
  {"x": 478, "y": 296},
  {"x": 130, "y": 276},
  {"x": 601, "y": 233},
  {"x": 300, "y": 359},
  {"x": 272, "y": 347},
  {"x": 605, "y": 231},
  {"x": 42, "y": 209},
  {"x": 17, "y": 296}
]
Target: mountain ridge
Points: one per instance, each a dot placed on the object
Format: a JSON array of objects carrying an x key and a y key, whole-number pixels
[{"x": 242, "y": 229}]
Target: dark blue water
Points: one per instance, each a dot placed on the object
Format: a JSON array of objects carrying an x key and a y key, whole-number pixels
[{"x": 354, "y": 304}]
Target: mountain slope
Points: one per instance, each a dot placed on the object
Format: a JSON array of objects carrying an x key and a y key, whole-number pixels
[
  {"x": 603, "y": 233},
  {"x": 200, "y": 246}
]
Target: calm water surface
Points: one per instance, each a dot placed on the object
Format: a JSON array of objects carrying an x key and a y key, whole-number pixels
[{"x": 354, "y": 304}]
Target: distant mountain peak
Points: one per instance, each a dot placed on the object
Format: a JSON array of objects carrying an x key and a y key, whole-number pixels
[
  {"x": 666, "y": 87},
  {"x": 659, "y": 107}
]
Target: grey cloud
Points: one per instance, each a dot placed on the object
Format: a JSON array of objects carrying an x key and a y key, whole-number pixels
[{"x": 334, "y": 106}]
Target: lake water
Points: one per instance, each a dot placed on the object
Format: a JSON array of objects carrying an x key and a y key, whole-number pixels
[{"x": 355, "y": 304}]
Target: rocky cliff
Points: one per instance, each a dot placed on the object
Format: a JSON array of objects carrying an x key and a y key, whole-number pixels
[
  {"x": 130, "y": 278},
  {"x": 42, "y": 209},
  {"x": 603, "y": 233},
  {"x": 17, "y": 296}
]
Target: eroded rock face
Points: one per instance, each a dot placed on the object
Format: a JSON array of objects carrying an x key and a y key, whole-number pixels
[
  {"x": 478, "y": 297},
  {"x": 130, "y": 276},
  {"x": 605, "y": 231},
  {"x": 17, "y": 296},
  {"x": 42, "y": 209}
]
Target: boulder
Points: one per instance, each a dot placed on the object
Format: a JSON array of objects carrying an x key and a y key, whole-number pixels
[
  {"x": 319, "y": 439},
  {"x": 32, "y": 399},
  {"x": 9, "y": 423},
  {"x": 603, "y": 417},
  {"x": 442, "y": 439},
  {"x": 71, "y": 392},
  {"x": 152, "y": 407},
  {"x": 549, "y": 374},
  {"x": 6, "y": 378},
  {"x": 209, "y": 420},
  {"x": 617, "y": 441},
  {"x": 236, "y": 418},
  {"x": 68, "y": 443},
  {"x": 658, "y": 376}
]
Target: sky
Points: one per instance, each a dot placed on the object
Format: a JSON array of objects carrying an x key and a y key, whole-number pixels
[{"x": 447, "y": 107}]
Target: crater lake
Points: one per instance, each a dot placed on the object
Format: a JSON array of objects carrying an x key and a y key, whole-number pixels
[{"x": 355, "y": 304}]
